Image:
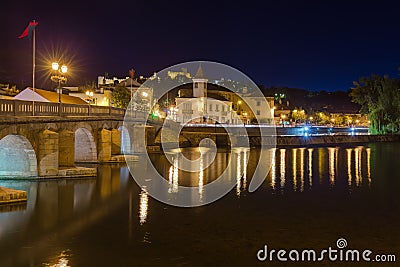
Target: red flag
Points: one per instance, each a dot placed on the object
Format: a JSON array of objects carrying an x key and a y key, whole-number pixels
[
  {"x": 28, "y": 30},
  {"x": 132, "y": 73}
]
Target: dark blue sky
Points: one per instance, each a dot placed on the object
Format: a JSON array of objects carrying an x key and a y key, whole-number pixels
[{"x": 316, "y": 45}]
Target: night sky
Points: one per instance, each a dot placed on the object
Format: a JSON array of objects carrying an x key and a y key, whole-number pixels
[{"x": 316, "y": 45}]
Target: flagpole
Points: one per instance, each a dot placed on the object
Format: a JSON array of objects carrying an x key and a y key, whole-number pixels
[{"x": 33, "y": 68}]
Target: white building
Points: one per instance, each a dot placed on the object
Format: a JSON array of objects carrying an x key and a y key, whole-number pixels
[
  {"x": 203, "y": 106},
  {"x": 102, "y": 80}
]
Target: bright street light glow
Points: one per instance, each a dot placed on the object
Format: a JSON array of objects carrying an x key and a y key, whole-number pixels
[
  {"x": 54, "y": 66},
  {"x": 145, "y": 94},
  {"x": 64, "y": 68}
]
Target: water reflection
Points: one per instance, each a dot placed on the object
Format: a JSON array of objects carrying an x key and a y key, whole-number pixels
[
  {"x": 368, "y": 165},
  {"x": 61, "y": 260},
  {"x": 173, "y": 176},
  {"x": 273, "y": 168},
  {"x": 59, "y": 206},
  {"x": 245, "y": 152},
  {"x": 332, "y": 164},
  {"x": 328, "y": 160},
  {"x": 310, "y": 170},
  {"x": 294, "y": 162},
  {"x": 144, "y": 205},
  {"x": 349, "y": 175},
  {"x": 201, "y": 178},
  {"x": 302, "y": 169},
  {"x": 357, "y": 165},
  {"x": 63, "y": 208},
  {"x": 238, "y": 173},
  {"x": 282, "y": 168}
]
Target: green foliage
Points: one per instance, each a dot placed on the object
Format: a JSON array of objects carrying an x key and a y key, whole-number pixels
[
  {"x": 121, "y": 97},
  {"x": 299, "y": 115},
  {"x": 379, "y": 97},
  {"x": 322, "y": 118}
]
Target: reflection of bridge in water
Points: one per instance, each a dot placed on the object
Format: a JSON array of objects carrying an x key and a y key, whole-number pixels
[{"x": 59, "y": 206}]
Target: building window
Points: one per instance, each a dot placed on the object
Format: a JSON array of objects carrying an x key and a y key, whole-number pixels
[
  {"x": 223, "y": 108},
  {"x": 210, "y": 107},
  {"x": 258, "y": 103},
  {"x": 196, "y": 85},
  {"x": 258, "y": 112},
  {"x": 216, "y": 107}
]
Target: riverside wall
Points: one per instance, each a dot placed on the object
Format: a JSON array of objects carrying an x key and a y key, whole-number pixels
[{"x": 192, "y": 139}]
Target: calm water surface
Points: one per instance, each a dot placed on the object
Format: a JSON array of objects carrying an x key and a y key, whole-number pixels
[{"x": 311, "y": 197}]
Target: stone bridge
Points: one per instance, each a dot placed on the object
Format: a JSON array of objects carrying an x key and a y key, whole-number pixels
[{"x": 39, "y": 139}]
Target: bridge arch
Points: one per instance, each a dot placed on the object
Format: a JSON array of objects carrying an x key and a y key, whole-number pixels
[
  {"x": 17, "y": 157},
  {"x": 85, "y": 146}
]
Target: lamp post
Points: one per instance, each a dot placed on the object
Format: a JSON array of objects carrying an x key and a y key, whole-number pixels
[
  {"x": 59, "y": 77},
  {"x": 90, "y": 96}
]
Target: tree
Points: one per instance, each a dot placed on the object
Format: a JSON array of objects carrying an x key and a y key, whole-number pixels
[
  {"x": 299, "y": 115},
  {"x": 379, "y": 97},
  {"x": 121, "y": 97},
  {"x": 322, "y": 118}
]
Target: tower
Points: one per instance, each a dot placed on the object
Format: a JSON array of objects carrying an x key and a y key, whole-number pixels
[{"x": 199, "y": 84}]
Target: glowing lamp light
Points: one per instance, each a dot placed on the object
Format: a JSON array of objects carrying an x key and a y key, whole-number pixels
[
  {"x": 89, "y": 93},
  {"x": 54, "y": 66},
  {"x": 64, "y": 68},
  {"x": 145, "y": 94}
]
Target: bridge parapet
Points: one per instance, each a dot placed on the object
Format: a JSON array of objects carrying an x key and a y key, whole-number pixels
[{"x": 19, "y": 108}]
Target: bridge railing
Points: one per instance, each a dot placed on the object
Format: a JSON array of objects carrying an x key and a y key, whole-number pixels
[{"x": 9, "y": 107}]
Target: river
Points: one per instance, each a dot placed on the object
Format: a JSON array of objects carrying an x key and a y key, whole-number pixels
[{"x": 312, "y": 197}]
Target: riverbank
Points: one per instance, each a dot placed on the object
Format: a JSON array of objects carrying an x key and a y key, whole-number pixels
[{"x": 192, "y": 139}]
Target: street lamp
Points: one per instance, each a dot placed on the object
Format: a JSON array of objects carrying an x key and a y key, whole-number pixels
[
  {"x": 59, "y": 78},
  {"x": 90, "y": 96}
]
